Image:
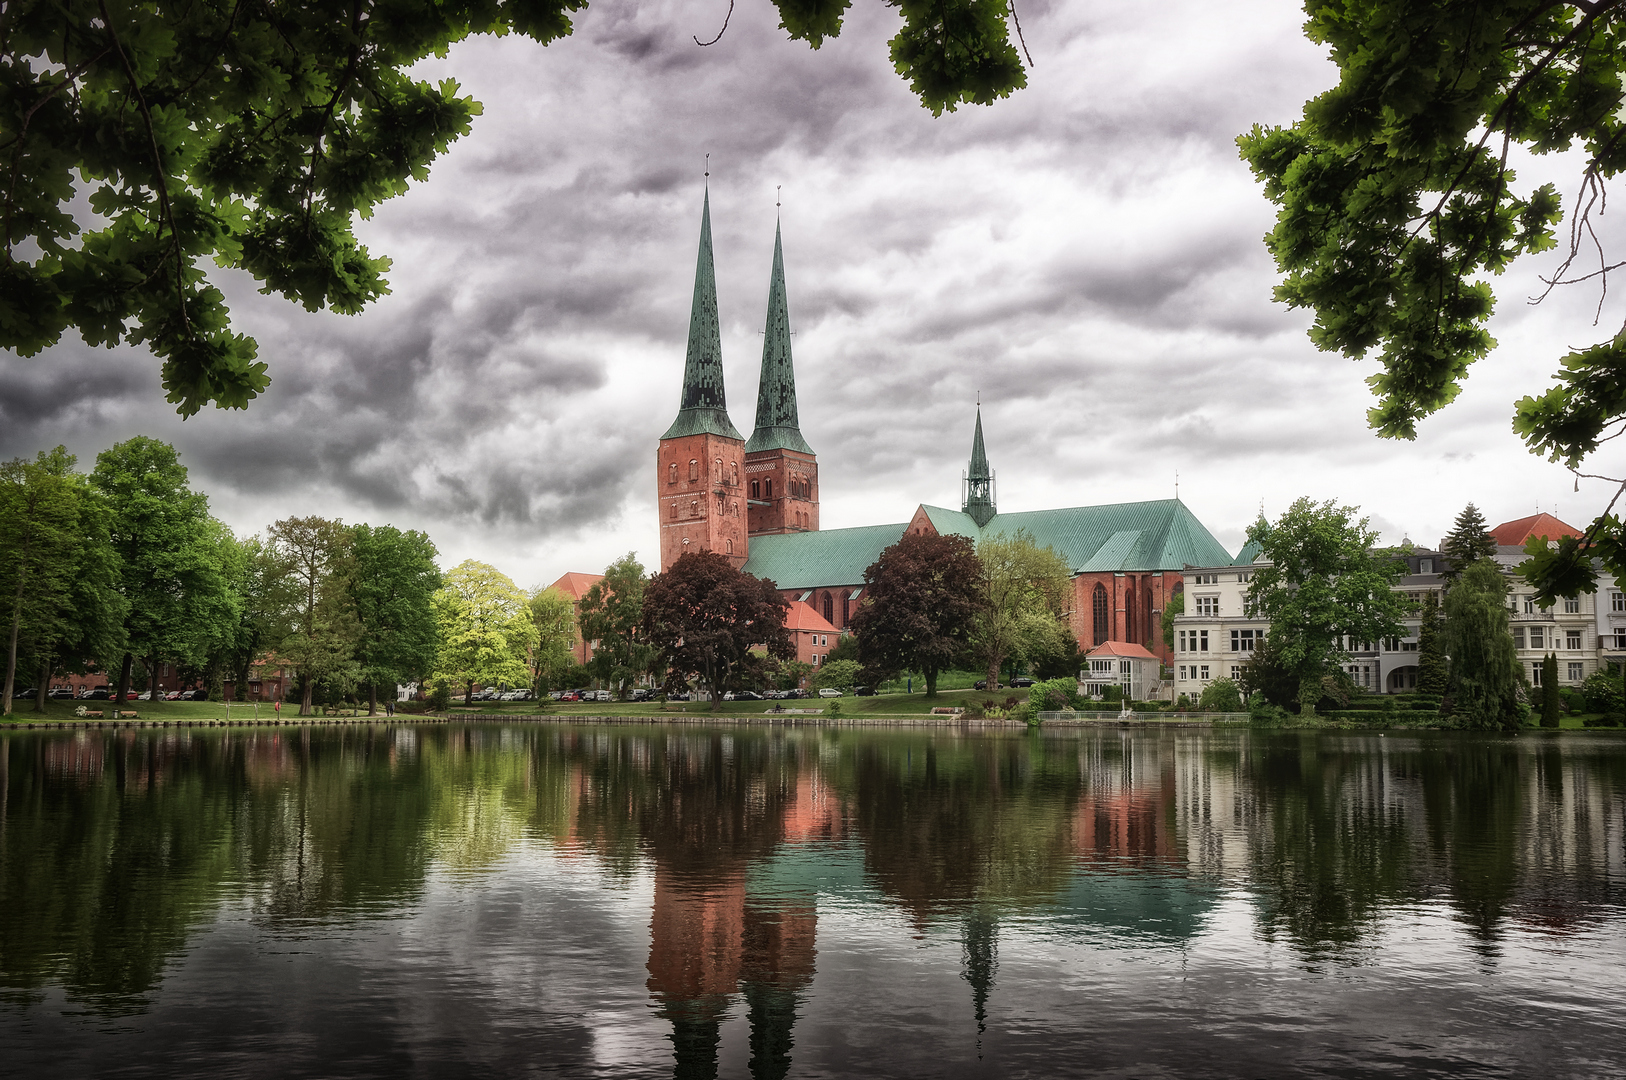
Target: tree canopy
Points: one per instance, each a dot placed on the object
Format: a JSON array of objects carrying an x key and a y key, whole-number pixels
[
  {"x": 1323, "y": 584},
  {"x": 1398, "y": 203},
  {"x": 392, "y": 580},
  {"x": 1025, "y": 593},
  {"x": 1486, "y": 678},
  {"x": 254, "y": 135},
  {"x": 705, "y": 617},
  {"x": 612, "y": 613},
  {"x": 920, "y": 603},
  {"x": 1469, "y": 539},
  {"x": 486, "y": 632}
]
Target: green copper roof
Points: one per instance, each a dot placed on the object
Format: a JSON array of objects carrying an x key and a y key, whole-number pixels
[
  {"x": 1250, "y": 551},
  {"x": 777, "y": 425},
  {"x": 810, "y": 559},
  {"x": 702, "y": 409},
  {"x": 1159, "y": 535},
  {"x": 979, "y": 481}
]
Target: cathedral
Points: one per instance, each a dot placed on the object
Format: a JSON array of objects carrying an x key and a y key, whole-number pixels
[{"x": 756, "y": 500}]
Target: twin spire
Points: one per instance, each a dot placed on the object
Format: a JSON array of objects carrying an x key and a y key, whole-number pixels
[
  {"x": 978, "y": 501},
  {"x": 702, "y": 408}
]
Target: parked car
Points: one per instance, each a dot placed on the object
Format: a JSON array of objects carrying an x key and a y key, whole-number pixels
[
  {"x": 569, "y": 695},
  {"x": 524, "y": 695},
  {"x": 146, "y": 695},
  {"x": 864, "y": 691},
  {"x": 25, "y": 693},
  {"x": 1021, "y": 680},
  {"x": 639, "y": 693},
  {"x": 60, "y": 692},
  {"x": 173, "y": 695},
  {"x": 681, "y": 695},
  {"x": 193, "y": 695},
  {"x": 97, "y": 693},
  {"x": 829, "y": 691},
  {"x": 748, "y": 695}
]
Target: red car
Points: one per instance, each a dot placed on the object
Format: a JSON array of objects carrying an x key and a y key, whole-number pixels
[{"x": 570, "y": 695}]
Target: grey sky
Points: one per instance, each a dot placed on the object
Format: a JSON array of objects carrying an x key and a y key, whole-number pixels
[{"x": 1086, "y": 255}]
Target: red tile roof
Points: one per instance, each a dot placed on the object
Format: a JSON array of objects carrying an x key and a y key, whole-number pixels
[
  {"x": 801, "y": 616},
  {"x": 1128, "y": 650},
  {"x": 575, "y": 585},
  {"x": 1515, "y": 533}
]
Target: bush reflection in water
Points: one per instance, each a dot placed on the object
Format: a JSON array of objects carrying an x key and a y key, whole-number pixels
[{"x": 117, "y": 847}]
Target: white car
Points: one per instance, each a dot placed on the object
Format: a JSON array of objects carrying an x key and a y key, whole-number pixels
[{"x": 829, "y": 691}]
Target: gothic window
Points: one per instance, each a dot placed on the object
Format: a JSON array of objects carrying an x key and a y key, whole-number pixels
[
  {"x": 1103, "y": 621},
  {"x": 728, "y": 546},
  {"x": 1146, "y": 613},
  {"x": 1129, "y": 613},
  {"x": 767, "y": 489},
  {"x": 734, "y": 473},
  {"x": 829, "y": 608},
  {"x": 671, "y": 473},
  {"x": 846, "y": 609},
  {"x": 694, "y": 470},
  {"x": 674, "y": 511},
  {"x": 756, "y": 489},
  {"x": 717, "y": 473},
  {"x": 694, "y": 507}
]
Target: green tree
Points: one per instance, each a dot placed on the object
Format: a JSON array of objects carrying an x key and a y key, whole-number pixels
[
  {"x": 1469, "y": 539},
  {"x": 919, "y": 607},
  {"x": 1322, "y": 584},
  {"x": 318, "y": 627},
  {"x": 612, "y": 613},
  {"x": 1398, "y": 205},
  {"x": 1431, "y": 669},
  {"x": 1485, "y": 674},
  {"x": 253, "y": 135},
  {"x": 169, "y": 552},
  {"x": 838, "y": 674},
  {"x": 792, "y": 672},
  {"x": 1175, "y": 605},
  {"x": 47, "y": 518},
  {"x": 1221, "y": 695},
  {"x": 553, "y": 614},
  {"x": 1552, "y": 706},
  {"x": 1025, "y": 593},
  {"x": 704, "y": 616},
  {"x": 486, "y": 633},
  {"x": 392, "y": 580}
]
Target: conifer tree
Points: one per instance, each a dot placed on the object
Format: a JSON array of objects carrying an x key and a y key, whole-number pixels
[
  {"x": 1468, "y": 540},
  {"x": 1431, "y": 674},
  {"x": 1485, "y": 672},
  {"x": 1550, "y": 705}
]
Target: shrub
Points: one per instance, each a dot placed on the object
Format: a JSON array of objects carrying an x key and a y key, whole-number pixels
[
  {"x": 1221, "y": 695},
  {"x": 1053, "y": 695},
  {"x": 440, "y": 698},
  {"x": 1602, "y": 692},
  {"x": 833, "y": 709}
]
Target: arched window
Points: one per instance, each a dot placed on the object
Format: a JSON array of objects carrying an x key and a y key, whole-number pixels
[
  {"x": 756, "y": 489},
  {"x": 734, "y": 473},
  {"x": 829, "y": 607},
  {"x": 767, "y": 489},
  {"x": 1146, "y": 614},
  {"x": 717, "y": 471},
  {"x": 728, "y": 545},
  {"x": 671, "y": 473},
  {"x": 694, "y": 470},
  {"x": 846, "y": 608},
  {"x": 694, "y": 507},
  {"x": 1129, "y": 613},
  {"x": 1103, "y": 616},
  {"x": 674, "y": 511}
]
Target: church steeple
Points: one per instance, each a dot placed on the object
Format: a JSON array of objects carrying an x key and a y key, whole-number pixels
[
  {"x": 777, "y": 425},
  {"x": 978, "y": 485},
  {"x": 702, "y": 409}
]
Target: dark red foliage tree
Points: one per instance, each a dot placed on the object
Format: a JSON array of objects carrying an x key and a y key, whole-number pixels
[
  {"x": 704, "y": 616},
  {"x": 920, "y": 598}
]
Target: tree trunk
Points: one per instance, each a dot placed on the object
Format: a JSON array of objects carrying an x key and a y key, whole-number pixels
[
  {"x": 124, "y": 677},
  {"x": 993, "y": 673},
  {"x": 930, "y": 675},
  {"x": 1309, "y": 694},
  {"x": 468, "y": 695},
  {"x": 305, "y": 689},
  {"x": 43, "y": 684},
  {"x": 11, "y": 651},
  {"x": 152, "y": 678},
  {"x": 372, "y": 699}
]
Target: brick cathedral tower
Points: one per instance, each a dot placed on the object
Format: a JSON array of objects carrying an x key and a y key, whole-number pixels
[
  {"x": 781, "y": 469},
  {"x": 700, "y": 465}
]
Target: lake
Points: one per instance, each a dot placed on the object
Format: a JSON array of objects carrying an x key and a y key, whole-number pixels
[{"x": 747, "y": 901}]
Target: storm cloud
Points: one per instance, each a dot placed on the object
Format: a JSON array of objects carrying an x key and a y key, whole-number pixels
[{"x": 1086, "y": 256}]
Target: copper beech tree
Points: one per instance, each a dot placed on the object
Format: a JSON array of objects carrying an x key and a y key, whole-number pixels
[
  {"x": 705, "y": 617},
  {"x": 921, "y": 600}
]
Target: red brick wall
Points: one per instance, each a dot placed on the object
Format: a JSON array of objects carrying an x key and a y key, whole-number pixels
[
  {"x": 708, "y": 511},
  {"x": 785, "y": 512}
]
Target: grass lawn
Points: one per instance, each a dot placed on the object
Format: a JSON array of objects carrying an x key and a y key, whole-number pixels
[
  {"x": 881, "y": 705},
  {"x": 22, "y": 711}
]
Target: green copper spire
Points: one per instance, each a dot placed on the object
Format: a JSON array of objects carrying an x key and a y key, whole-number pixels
[
  {"x": 702, "y": 409},
  {"x": 777, "y": 425},
  {"x": 979, "y": 481}
]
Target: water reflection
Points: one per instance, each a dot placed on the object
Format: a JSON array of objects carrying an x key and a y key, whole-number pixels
[{"x": 116, "y": 849}]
